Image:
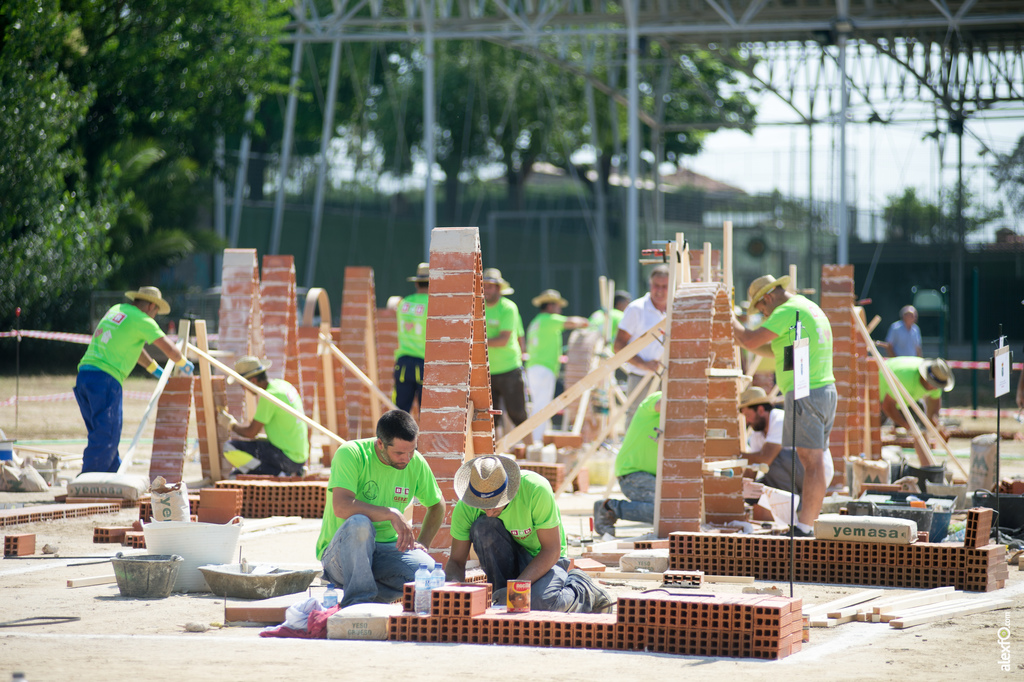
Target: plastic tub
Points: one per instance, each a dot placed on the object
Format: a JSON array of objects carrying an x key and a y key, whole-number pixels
[
  {"x": 150, "y": 576},
  {"x": 229, "y": 581},
  {"x": 198, "y": 544}
]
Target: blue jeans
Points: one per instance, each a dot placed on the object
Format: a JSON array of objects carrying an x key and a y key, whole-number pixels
[
  {"x": 369, "y": 571},
  {"x": 99, "y": 400},
  {"x": 639, "y": 488},
  {"x": 503, "y": 559}
]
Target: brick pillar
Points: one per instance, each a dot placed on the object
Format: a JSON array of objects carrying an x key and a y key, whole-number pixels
[
  {"x": 387, "y": 344},
  {"x": 582, "y": 359},
  {"x": 685, "y": 410},
  {"x": 220, "y": 399},
  {"x": 697, "y": 272},
  {"x": 836, "y": 300},
  {"x": 456, "y": 369},
  {"x": 170, "y": 434},
  {"x": 240, "y": 328},
  {"x": 277, "y": 301},
  {"x": 307, "y": 340},
  {"x": 358, "y": 327}
]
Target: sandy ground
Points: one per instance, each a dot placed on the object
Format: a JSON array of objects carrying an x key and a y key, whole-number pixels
[{"x": 124, "y": 638}]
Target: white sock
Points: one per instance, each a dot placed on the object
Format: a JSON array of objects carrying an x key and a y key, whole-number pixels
[{"x": 804, "y": 527}]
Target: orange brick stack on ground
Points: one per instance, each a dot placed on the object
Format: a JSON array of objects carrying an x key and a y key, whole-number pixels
[
  {"x": 456, "y": 373},
  {"x": 240, "y": 328},
  {"x": 170, "y": 433},
  {"x": 277, "y": 302},
  {"x": 836, "y": 302},
  {"x": 358, "y": 328}
]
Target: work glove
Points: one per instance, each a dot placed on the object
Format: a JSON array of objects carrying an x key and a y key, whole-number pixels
[
  {"x": 225, "y": 420},
  {"x": 187, "y": 368},
  {"x": 158, "y": 372},
  {"x": 155, "y": 369}
]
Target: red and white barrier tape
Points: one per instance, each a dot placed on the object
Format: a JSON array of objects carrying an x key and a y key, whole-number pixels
[
  {"x": 987, "y": 412},
  {"x": 967, "y": 364},
  {"x": 59, "y": 397},
  {"x": 52, "y": 336}
]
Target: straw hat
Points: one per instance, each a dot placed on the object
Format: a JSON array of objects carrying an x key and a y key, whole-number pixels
[
  {"x": 250, "y": 365},
  {"x": 151, "y": 294},
  {"x": 760, "y": 287},
  {"x": 422, "y": 273},
  {"x": 753, "y": 397},
  {"x": 487, "y": 481},
  {"x": 493, "y": 275},
  {"x": 937, "y": 373},
  {"x": 549, "y": 296}
]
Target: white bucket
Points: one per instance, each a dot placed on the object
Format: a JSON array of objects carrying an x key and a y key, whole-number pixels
[{"x": 198, "y": 544}]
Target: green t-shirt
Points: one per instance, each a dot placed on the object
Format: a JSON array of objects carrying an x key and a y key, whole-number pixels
[
  {"x": 597, "y": 323},
  {"x": 118, "y": 340},
  {"x": 906, "y": 369},
  {"x": 284, "y": 430},
  {"x": 501, "y": 317},
  {"x": 412, "y": 326},
  {"x": 356, "y": 467},
  {"x": 639, "y": 451},
  {"x": 816, "y": 327},
  {"x": 532, "y": 508},
  {"x": 544, "y": 341}
]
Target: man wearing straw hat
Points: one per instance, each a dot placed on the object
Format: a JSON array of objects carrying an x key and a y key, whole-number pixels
[
  {"x": 365, "y": 544},
  {"x": 412, "y": 342},
  {"x": 116, "y": 347},
  {"x": 286, "y": 448},
  {"x": 924, "y": 378},
  {"x": 544, "y": 343},
  {"x": 504, "y": 353},
  {"x": 816, "y": 412},
  {"x": 511, "y": 519}
]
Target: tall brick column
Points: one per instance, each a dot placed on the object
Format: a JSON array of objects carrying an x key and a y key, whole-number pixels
[
  {"x": 456, "y": 371},
  {"x": 170, "y": 433},
  {"x": 277, "y": 301},
  {"x": 220, "y": 399},
  {"x": 358, "y": 327},
  {"x": 837, "y": 297},
  {"x": 240, "y": 329}
]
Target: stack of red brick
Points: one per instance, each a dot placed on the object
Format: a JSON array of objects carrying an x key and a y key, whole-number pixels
[
  {"x": 750, "y": 626},
  {"x": 262, "y": 499}
]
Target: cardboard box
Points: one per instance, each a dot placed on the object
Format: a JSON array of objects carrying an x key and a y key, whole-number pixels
[{"x": 362, "y": 621}]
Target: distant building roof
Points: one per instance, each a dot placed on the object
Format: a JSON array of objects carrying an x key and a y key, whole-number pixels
[
  {"x": 547, "y": 173},
  {"x": 685, "y": 177}
]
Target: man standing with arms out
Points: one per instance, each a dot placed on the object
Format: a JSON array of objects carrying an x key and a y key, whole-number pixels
[
  {"x": 598, "y": 318},
  {"x": 544, "y": 344},
  {"x": 116, "y": 347},
  {"x": 366, "y": 545},
  {"x": 513, "y": 523},
  {"x": 904, "y": 336},
  {"x": 922, "y": 378},
  {"x": 504, "y": 352},
  {"x": 639, "y": 316},
  {"x": 286, "y": 447},
  {"x": 636, "y": 467},
  {"x": 412, "y": 341},
  {"x": 817, "y": 411}
]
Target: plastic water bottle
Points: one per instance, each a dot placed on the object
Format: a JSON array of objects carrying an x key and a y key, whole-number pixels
[
  {"x": 422, "y": 599},
  {"x": 330, "y": 596},
  {"x": 437, "y": 577}
]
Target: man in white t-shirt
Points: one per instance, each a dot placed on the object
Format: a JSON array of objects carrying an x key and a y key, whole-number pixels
[
  {"x": 765, "y": 441},
  {"x": 639, "y": 316}
]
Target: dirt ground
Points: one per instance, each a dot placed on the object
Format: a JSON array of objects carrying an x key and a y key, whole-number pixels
[{"x": 124, "y": 638}]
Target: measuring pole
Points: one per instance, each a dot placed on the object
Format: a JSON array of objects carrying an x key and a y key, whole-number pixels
[
  {"x": 17, "y": 366},
  {"x": 1002, "y": 361}
]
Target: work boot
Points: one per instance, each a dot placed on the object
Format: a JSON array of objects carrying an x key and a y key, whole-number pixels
[
  {"x": 604, "y": 519},
  {"x": 593, "y": 597},
  {"x": 798, "y": 533}
]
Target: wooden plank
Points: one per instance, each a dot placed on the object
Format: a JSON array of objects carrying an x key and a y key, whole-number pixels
[
  {"x": 842, "y": 602},
  {"x": 973, "y": 606},
  {"x": 351, "y": 366},
  {"x": 105, "y": 579},
  {"x": 210, "y": 414},
  {"x": 927, "y": 597}
]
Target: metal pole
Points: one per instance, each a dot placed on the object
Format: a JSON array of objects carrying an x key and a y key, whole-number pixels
[
  {"x": 632, "y": 192},
  {"x": 243, "y": 170},
  {"x": 286, "y": 148},
  {"x": 974, "y": 337},
  {"x": 326, "y": 133},
  {"x": 430, "y": 204},
  {"x": 219, "y": 201},
  {"x": 844, "y": 228}
]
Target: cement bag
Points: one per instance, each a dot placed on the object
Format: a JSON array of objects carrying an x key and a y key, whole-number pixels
[
  {"x": 983, "y": 463},
  {"x": 653, "y": 560},
  {"x": 169, "y": 502},
  {"x": 362, "y": 621},
  {"x": 842, "y": 528},
  {"x": 778, "y": 503},
  {"x": 129, "y": 487},
  {"x": 25, "y": 479},
  {"x": 868, "y": 471}
]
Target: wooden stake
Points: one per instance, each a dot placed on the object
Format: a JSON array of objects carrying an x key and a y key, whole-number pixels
[{"x": 209, "y": 411}]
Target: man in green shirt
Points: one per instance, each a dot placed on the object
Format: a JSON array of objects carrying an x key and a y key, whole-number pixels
[
  {"x": 816, "y": 412},
  {"x": 636, "y": 467},
  {"x": 544, "y": 344},
  {"x": 512, "y": 521},
  {"x": 286, "y": 448},
  {"x": 598, "y": 318},
  {"x": 412, "y": 341},
  {"x": 504, "y": 353},
  {"x": 116, "y": 347},
  {"x": 365, "y": 544},
  {"x": 923, "y": 378}
]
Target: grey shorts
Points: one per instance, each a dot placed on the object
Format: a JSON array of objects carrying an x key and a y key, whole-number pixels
[{"x": 814, "y": 416}]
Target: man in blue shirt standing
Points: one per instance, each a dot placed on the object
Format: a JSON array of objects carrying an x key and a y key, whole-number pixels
[{"x": 904, "y": 336}]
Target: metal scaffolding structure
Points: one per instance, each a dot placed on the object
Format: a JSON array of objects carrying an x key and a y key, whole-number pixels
[{"x": 829, "y": 60}]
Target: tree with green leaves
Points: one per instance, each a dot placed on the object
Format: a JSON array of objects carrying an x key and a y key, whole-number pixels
[
  {"x": 1008, "y": 172},
  {"x": 910, "y": 219}
]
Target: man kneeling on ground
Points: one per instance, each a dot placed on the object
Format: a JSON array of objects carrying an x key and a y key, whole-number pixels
[
  {"x": 515, "y": 527},
  {"x": 366, "y": 545}
]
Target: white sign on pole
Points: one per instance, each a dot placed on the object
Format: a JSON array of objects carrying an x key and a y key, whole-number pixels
[
  {"x": 1002, "y": 358},
  {"x": 801, "y": 368}
]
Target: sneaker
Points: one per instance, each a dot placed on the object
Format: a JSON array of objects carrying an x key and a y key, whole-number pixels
[
  {"x": 604, "y": 519},
  {"x": 599, "y": 599},
  {"x": 798, "y": 533}
]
